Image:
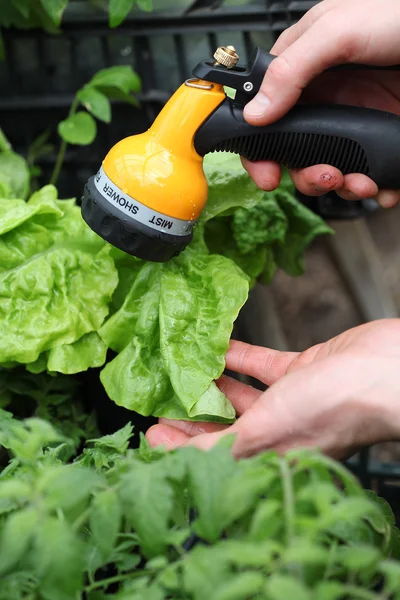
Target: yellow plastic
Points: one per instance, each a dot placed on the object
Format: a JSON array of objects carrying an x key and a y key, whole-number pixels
[{"x": 161, "y": 168}]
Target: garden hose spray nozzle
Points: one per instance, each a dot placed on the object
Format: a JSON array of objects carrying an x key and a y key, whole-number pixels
[{"x": 150, "y": 190}]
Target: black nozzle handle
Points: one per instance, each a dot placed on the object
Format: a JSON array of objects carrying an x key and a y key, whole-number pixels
[{"x": 352, "y": 139}]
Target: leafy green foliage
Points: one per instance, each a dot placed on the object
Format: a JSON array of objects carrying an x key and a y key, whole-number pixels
[
  {"x": 119, "y": 9},
  {"x": 264, "y": 231},
  {"x": 61, "y": 266},
  {"x": 48, "y": 14},
  {"x": 96, "y": 103},
  {"x": 79, "y": 128},
  {"x": 14, "y": 172},
  {"x": 123, "y": 524},
  {"x": 26, "y": 14},
  {"x": 53, "y": 399},
  {"x": 156, "y": 317}
]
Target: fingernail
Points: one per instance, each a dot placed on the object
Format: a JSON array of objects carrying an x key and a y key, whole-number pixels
[
  {"x": 318, "y": 188},
  {"x": 388, "y": 199},
  {"x": 350, "y": 195},
  {"x": 386, "y": 203},
  {"x": 258, "y": 106}
]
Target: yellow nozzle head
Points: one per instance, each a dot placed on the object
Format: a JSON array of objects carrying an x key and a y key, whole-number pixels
[
  {"x": 151, "y": 187},
  {"x": 161, "y": 168}
]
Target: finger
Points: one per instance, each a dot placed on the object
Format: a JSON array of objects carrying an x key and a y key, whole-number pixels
[
  {"x": 191, "y": 428},
  {"x": 317, "y": 180},
  {"x": 164, "y": 435},
  {"x": 291, "y": 72},
  {"x": 263, "y": 364},
  {"x": 290, "y": 35},
  {"x": 388, "y": 199},
  {"x": 208, "y": 440},
  {"x": 241, "y": 396},
  {"x": 357, "y": 187},
  {"x": 265, "y": 174}
]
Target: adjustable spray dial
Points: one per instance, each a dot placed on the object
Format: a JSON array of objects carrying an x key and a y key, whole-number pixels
[{"x": 151, "y": 189}]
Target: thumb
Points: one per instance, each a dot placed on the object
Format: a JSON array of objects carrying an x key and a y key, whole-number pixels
[{"x": 319, "y": 48}]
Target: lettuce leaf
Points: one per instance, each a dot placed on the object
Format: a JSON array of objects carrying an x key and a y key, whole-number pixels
[
  {"x": 14, "y": 175},
  {"x": 172, "y": 332},
  {"x": 302, "y": 227},
  {"x": 66, "y": 296},
  {"x": 56, "y": 277},
  {"x": 260, "y": 231}
]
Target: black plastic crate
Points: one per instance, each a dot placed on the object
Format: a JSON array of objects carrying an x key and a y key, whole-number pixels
[{"x": 42, "y": 72}]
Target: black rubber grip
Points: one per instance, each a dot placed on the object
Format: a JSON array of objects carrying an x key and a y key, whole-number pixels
[{"x": 354, "y": 140}]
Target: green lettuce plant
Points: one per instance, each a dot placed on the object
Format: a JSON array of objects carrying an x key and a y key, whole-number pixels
[{"x": 66, "y": 296}]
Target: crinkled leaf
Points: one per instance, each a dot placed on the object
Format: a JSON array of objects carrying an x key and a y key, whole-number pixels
[
  {"x": 79, "y": 129},
  {"x": 229, "y": 186},
  {"x": 261, "y": 224},
  {"x": 14, "y": 172},
  {"x": 15, "y": 212},
  {"x": 219, "y": 240},
  {"x": 139, "y": 311},
  {"x": 58, "y": 296},
  {"x": 136, "y": 378},
  {"x": 96, "y": 103},
  {"x": 168, "y": 358},
  {"x": 197, "y": 311},
  {"x": 56, "y": 277},
  {"x": 6, "y": 190},
  {"x": 86, "y": 353},
  {"x": 303, "y": 227}
]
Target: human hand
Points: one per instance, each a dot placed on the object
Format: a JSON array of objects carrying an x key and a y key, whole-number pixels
[
  {"x": 338, "y": 396},
  {"x": 333, "y": 32}
]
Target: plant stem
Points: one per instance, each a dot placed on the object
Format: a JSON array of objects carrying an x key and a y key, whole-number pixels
[
  {"x": 4, "y": 143},
  {"x": 288, "y": 500},
  {"x": 81, "y": 520},
  {"x": 116, "y": 579},
  {"x": 63, "y": 147},
  {"x": 358, "y": 593}
]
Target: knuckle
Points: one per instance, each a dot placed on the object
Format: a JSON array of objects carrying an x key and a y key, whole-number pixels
[
  {"x": 243, "y": 357},
  {"x": 348, "y": 47},
  {"x": 268, "y": 367},
  {"x": 280, "y": 68},
  {"x": 287, "y": 34}
]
